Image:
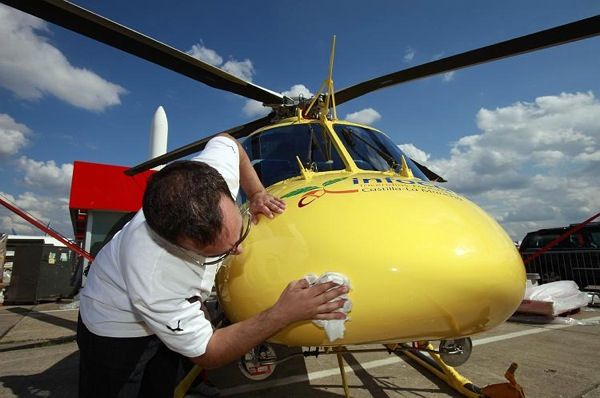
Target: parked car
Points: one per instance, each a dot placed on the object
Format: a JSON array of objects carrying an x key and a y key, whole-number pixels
[{"x": 576, "y": 257}]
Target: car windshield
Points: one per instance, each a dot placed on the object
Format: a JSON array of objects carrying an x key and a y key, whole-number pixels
[
  {"x": 273, "y": 152},
  {"x": 595, "y": 239},
  {"x": 372, "y": 150},
  {"x": 536, "y": 240},
  {"x": 586, "y": 238}
]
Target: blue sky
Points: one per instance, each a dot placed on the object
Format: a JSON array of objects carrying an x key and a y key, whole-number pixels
[{"x": 520, "y": 137}]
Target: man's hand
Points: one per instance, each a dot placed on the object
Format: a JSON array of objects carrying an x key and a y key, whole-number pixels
[
  {"x": 301, "y": 301},
  {"x": 298, "y": 302},
  {"x": 265, "y": 203}
]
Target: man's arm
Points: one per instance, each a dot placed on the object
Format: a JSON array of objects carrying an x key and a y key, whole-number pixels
[
  {"x": 298, "y": 302},
  {"x": 260, "y": 200}
]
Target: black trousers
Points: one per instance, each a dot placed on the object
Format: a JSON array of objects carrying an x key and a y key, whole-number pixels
[{"x": 126, "y": 367}]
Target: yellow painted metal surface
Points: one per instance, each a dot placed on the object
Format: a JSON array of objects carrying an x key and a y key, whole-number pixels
[{"x": 424, "y": 262}]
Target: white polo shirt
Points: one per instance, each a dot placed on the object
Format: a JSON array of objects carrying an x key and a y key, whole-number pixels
[{"x": 139, "y": 284}]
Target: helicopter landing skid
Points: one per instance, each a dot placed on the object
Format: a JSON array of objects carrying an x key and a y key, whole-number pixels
[
  {"x": 260, "y": 362},
  {"x": 431, "y": 361}
]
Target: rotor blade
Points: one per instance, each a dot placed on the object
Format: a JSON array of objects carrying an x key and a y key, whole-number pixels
[
  {"x": 578, "y": 30},
  {"x": 80, "y": 20},
  {"x": 237, "y": 132}
]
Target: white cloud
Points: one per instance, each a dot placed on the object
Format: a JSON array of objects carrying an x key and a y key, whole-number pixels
[
  {"x": 409, "y": 54},
  {"x": 13, "y": 136},
  {"x": 255, "y": 108},
  {"x": 414, "y": 153},
  {"x": 364, "y": 116},
  {"x": 46, "y": 198},
  {"x": 242, "y": 69},
  {"x": 297, "y": 91},
  {"x": 46, "y": 176},
  {"x": 199, "y": 51},
  {"x": 588, "y": 157},
  {"x": 47, "y": 185},
  {"x": 448, "y": 76},
  {"x": 547, "y": 158},
  {"x": 31, "y": 67},
  {"x": 533, "y": 164},
  {"x": 46, "y": 209}
]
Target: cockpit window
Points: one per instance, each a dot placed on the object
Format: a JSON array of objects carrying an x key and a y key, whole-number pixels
[
  {"x": 372, "y": 150},
  {"x": 273, "y": 152}
]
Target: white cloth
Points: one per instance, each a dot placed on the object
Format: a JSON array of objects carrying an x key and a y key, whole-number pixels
[
  {"x": 139, "y": 283},
  {"x": 334, "y": 328}
]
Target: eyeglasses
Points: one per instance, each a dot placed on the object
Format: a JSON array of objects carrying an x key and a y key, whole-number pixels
[{"x": 247, "y": 219}]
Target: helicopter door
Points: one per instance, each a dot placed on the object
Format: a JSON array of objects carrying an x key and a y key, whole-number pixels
[{"x": 273, "y": 152}]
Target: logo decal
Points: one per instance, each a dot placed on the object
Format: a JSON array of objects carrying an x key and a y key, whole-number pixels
[
  {"x": 177, "y": 329},
  {"x": 381, "y": 184},
  {"x": 369, "y": 184},
  {"x": 313, "y": 192}
]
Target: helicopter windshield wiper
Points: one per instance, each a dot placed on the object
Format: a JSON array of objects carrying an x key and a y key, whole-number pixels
[
  {"x": 312, "y": 144},
  {"x": 389, "y": 159},
  {"x": 349, "y": 137}
]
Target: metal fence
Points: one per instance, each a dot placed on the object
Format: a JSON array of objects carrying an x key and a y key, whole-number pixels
[{"x": 581, "y": 266}]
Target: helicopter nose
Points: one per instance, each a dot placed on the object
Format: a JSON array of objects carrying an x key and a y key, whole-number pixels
[{"x": 423, "y": 263}]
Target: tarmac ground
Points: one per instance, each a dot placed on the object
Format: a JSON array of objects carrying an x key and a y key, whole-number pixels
[{"x": 39, "y": 358}]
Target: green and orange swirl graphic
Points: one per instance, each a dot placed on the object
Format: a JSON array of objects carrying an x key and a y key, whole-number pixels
[{"x": 313, "y": 192}]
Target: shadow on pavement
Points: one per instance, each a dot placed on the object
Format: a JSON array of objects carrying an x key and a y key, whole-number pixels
[
  {"x": 58, "y": 381},
  {"x": 443, "y": 387},
  {"x": 380, "y": 387},
  {"x": 45, "y": 317},
  {"x": 289, "y": 380}
]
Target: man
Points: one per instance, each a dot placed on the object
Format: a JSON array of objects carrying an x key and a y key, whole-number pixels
[{"x": 141, "y": 306}]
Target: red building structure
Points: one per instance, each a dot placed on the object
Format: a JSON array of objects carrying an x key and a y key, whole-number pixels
[{"x": 100, "y": 195}]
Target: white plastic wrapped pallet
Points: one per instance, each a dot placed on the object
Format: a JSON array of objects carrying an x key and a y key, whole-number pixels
[{"x": 564, "y": 295}]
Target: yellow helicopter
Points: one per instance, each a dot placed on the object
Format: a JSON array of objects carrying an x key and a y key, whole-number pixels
[{"x": 424, "y": 263}]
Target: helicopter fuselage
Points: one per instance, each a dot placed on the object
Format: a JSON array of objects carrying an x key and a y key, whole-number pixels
[{"x": 424, "y": 263}]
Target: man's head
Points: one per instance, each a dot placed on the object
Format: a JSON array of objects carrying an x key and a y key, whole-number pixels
[{"x": 190, "y": 201}]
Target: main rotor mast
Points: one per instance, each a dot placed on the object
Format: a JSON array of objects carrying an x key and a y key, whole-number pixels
[
  {"x": 326, "y": 100},
  {"x": 319, "y": 106}
]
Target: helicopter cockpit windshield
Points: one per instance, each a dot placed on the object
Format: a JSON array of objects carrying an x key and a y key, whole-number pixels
[
  {"x": 372, "y": 150},
  {"x": 273, "y": 152}
]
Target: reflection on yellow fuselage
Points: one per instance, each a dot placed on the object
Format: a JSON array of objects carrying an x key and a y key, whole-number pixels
[{"x": 424, "y": 262}]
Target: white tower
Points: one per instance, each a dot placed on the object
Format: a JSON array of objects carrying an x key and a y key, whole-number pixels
[{"x": 159, "y": 131}]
